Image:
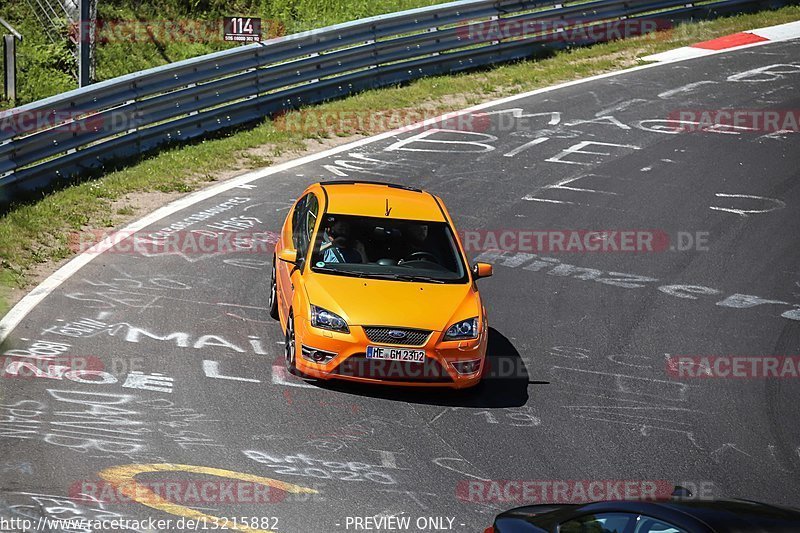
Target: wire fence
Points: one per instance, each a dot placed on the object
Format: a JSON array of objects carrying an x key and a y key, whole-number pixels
[{"x": 60, "y": 21}]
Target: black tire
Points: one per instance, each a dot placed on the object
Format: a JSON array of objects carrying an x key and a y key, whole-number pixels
[
  {"x": 273, "y": 293},
  {"x": 290, "y": 346}
]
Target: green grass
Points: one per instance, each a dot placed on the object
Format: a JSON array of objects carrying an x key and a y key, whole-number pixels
[
  {"x": 37, "y": 233},
  {"x": 7, "y": 280}
]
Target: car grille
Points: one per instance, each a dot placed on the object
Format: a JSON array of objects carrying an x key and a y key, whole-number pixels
[
  {"x": 414, "y": 337},
  {"x": 357, "y": 365}
]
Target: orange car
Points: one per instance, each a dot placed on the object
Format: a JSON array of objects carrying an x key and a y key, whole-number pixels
[{"x": 370, "y": 283}]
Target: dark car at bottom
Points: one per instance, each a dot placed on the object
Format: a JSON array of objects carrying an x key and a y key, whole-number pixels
[{"x": 671, "y": 516}]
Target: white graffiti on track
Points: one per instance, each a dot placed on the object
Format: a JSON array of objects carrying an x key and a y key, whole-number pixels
[
  {"x": 362, "y": 164},
  {"x": 350, "y": 435},
  {"x": 86, "y": 327},
  {"x": 621, "y": 383},
  {"x": 187, "y": 440},
  {"x": 154, "y": 382},
  {"x": 771, "y": 204},
  {"x": 642, "y": 403},
  {"x": 572, "y": 155},
  {"x": 572, "y": 185},
  {"x": 40, "y": 350},
  {"x": 145, "y": 283},
  {"x": 200, "y": 216},
  {"x": 252, "y": 264},
  {"x": 522, "y": 416},
  {"x": 103, "y": 424},
  {"x": 35, "y": 506},
  {"x": 111, "y": 295},
  {"x": 27, "y": 369},
  {"x": 766, "y": 74},
  {"x": 306, "y": 466},
  {"x": 236, "y": 223},
  {"x": 12, "y": 467},
  {"x": 176, "y": 416},
  {"x": 82, "y": 328},
  {"x": 549, "y": 126},
  {"x": 50, "y": 360},
  {"x": 130, "y": 292},
  {"x": 554, "y": 267},
  {"x": 83, "y": 422},
  {"x": 211, "y": 369},
  {"x": 232, "y": 236}
]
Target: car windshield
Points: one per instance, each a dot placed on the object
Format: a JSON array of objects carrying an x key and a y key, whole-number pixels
[{"x": 405, "y": 250}]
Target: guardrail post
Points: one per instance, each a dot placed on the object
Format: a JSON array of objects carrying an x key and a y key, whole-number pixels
[{"x": 10, "y": 62}]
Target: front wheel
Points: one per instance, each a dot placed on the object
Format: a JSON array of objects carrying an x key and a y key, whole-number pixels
[{"x": 273, "y": 293}]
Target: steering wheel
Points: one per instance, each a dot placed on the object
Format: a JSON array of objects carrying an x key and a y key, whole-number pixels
[{"x": 420, "y": 256}]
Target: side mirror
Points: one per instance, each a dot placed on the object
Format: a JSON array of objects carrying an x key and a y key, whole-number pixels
[
  {"x": 481, "y": 270},
  {"x": 288, "y": 255}
]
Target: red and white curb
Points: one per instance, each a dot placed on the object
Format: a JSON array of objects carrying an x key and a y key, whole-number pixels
[{"x": 782, "y": 32}]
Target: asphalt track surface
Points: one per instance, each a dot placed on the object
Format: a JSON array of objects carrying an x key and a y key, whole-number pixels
[{"x": 581, "y": 389}]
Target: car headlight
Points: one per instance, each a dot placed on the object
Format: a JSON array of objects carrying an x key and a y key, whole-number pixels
[
  {"x": 466, "y": 329},
  {"x": 322, "y": 318}
]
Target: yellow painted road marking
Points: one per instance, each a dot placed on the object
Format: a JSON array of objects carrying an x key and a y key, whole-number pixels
[{"x": 123, "y": 479}]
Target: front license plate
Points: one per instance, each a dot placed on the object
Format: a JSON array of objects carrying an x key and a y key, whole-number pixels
[{"x": 388, "y": 353}]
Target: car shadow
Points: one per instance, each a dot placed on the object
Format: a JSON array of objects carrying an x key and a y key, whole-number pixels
[{"x": 504, "y": 385}]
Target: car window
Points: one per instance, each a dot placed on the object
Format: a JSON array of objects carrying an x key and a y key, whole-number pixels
[
  {"x": 388, "y": 248},
  {"x": 297, "y": 222},
  {"x": 303, "y": 220},
  {"x": 645, "y": 524},
  {"x": 600, "y": 523},
  {"x": 312, "y": 207}
]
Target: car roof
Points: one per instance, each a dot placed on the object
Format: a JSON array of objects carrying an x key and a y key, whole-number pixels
[{"x": 371, "y": 199}]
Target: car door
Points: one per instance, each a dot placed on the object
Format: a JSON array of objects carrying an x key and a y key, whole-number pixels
[
  {"x": 297, "y": 236},
  {"x": 284, "y": 270}
]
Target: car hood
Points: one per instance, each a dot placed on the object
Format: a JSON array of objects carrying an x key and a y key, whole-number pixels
[{"x": 364, "y": 301}]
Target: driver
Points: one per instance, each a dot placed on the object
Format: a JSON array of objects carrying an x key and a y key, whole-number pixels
[
  {"x": 417, "y": 233},
  {"x": 416, "y": 241},
  {"x": 339, "y": 246}
]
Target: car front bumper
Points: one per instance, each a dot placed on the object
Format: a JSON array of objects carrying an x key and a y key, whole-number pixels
[{"x": 350, "y": 362}]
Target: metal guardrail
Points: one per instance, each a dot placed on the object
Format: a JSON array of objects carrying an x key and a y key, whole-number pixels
[{"x": 74, "y": 133}]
